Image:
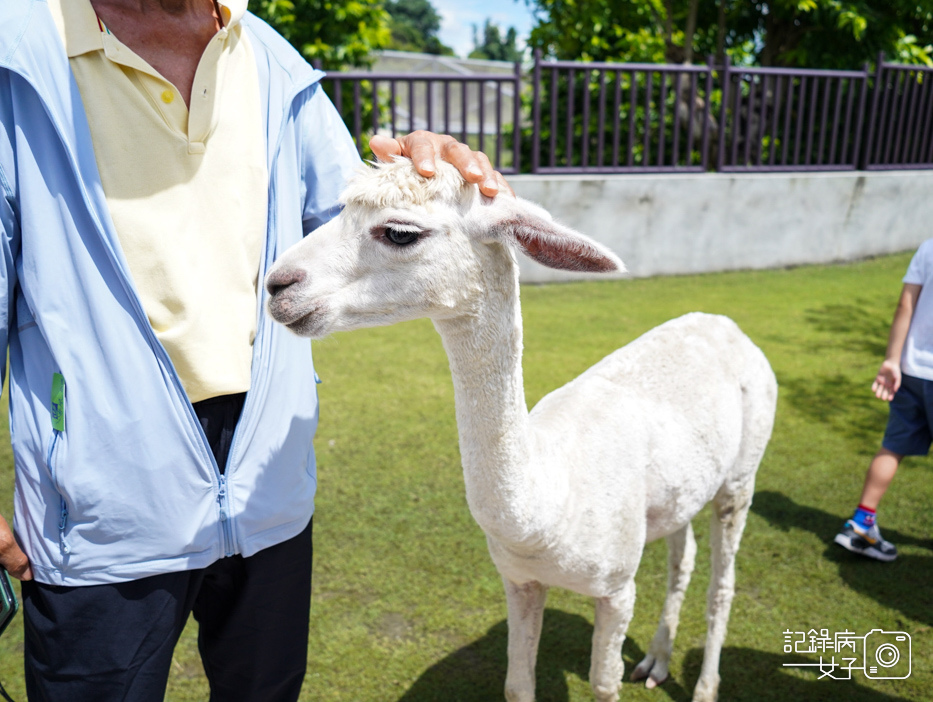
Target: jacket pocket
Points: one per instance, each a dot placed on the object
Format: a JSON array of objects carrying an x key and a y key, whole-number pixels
[{"x": 53, "y": 460}]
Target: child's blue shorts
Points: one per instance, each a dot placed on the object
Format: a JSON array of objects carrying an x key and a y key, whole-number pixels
[{"x": 910, "y": 421}]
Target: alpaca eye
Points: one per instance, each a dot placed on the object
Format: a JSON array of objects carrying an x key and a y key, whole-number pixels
[{"x": 401, "y": 237}]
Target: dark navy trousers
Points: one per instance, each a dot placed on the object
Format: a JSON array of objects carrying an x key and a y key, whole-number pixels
[{"x": 105, "y": 643}]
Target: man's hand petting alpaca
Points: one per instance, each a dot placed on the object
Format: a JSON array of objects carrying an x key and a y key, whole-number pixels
[{"x": 424, "y": 147}]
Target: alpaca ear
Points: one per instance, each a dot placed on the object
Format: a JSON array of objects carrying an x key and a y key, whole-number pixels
[{"x": 551, "y": 244}]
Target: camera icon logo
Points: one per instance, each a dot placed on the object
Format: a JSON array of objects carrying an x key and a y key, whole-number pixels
[{"x": 886, "y": 655}]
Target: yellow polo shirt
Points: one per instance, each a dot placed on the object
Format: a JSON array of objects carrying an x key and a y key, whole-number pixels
[{"x": 186, "y": 189}]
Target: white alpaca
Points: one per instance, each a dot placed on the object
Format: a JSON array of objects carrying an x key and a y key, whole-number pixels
[{"x": 626, "y": 453}]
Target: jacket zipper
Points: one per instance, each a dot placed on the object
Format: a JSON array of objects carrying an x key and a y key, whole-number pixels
[{"x": 224, "y": 518}]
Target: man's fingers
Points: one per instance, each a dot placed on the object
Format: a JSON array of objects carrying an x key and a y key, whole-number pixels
[
  {"x": 384, "y": 148},
  {"x": 423, "y": 148},
  {"x": 464, "y": 159},
  {"x": 489, "y": 185},
  {"x": 11, "y": 555},
  {"x": 504, "y": 184},
  {"x": 476, "y": 168},
  {"x": 422, "y": 153}
]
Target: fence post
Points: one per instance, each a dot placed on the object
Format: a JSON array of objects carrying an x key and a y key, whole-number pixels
[
  {"x": 725, "y": 78},
  {"x": 876, "y": 95},
  {"x": 857, "y": 145},
  {"x": 357, "y": 117},
  {"x": 536, "y": 114},
  {"x": 517, "y": 118},
  {"x": 707, "y": 110}
]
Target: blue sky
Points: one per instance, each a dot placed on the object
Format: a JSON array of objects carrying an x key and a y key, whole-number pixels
[{"x": 459, "y": 16}]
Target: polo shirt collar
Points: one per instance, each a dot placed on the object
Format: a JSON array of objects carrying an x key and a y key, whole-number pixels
[
  {"x": 233, "y": 11},
  {"x": 82, "y": 31}
]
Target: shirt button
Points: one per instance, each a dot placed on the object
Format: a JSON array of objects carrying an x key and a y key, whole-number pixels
[{"x": 167, "y": 96}]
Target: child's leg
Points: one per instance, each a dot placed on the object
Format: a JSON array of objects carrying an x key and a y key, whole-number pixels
[
  {"x": 860, "y": 534},
  {"x": 909, "y": 433},
  {"x": 880, "y": 473}
]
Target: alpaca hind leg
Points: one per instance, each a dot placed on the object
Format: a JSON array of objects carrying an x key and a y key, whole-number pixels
[
  {"x": 526, "y": 611},
  {"x": 681, "y": 555},
  {"x": 730, "y": 511},
  {"x": 613, "y": 615}
]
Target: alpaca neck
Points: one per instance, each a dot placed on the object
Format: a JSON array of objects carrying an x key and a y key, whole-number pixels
[{"x": 504, "y": 485}]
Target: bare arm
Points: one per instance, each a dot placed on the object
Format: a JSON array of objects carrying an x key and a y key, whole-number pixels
[{"x": 888, "y": 380}]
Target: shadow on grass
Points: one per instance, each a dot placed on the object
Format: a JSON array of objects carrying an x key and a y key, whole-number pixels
[
  {"x": 903, "y": 585},
  {"x": 755, "y": 676},
  {"x": 853, "y": 327},
  {"x": 842, "y": 400},
  {"x": 844, "y": 404},
  {"x": 476, "y": 673}
]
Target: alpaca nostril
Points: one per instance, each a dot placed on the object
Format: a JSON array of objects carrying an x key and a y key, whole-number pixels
[{"x": 283, "y": 278}]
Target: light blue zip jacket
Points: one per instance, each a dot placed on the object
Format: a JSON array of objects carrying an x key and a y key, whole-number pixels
[{"x": 130, "y": 488}]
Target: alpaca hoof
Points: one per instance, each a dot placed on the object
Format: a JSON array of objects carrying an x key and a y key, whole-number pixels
[
  {"x": 642, "y": 669},
  {"x": 604, "y": 695},
  {"x": 654, "y": 670},
  {"x": 653, "y": 682},
  {"x": 519, "y": 694},
  {"x": 706, "y": 691}
]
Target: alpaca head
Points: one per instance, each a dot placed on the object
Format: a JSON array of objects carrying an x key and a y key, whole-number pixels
[{"x": 406, "y": 247}]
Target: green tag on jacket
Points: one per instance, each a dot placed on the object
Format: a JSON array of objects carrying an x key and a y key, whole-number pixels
[{"x": 58, "y": 402}]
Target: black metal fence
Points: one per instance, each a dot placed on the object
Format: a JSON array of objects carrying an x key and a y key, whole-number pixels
[
  {"x": 900, "y": 131},
  {"x": 642, "y": 118},
  {"x": 620, "y": 118},
  {"x": 482, "y": 110},
  {"x": 784, "y": 120}
]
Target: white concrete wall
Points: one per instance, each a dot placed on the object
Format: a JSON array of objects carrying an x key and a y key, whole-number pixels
[{"x": 671, "y": 224}]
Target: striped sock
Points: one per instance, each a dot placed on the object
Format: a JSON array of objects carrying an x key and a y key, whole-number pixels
[{"x": 864, "y": 516}]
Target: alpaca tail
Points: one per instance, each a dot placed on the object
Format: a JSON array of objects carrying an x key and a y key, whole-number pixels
[{"x": 759, "y": 402}]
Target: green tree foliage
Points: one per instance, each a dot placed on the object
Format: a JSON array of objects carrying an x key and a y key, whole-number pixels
[
  {"x": 415, "y": 24},
  {"x": 338, "y": 34},
  {"x": 601, "y": 30},
  {"x": 837, "y": 34},
  {"x": 806, "y": 33},
  {"x": 493, "y": 45}
]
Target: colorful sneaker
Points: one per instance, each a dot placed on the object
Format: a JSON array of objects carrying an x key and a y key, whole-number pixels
[{"x": 867, "y": 542}]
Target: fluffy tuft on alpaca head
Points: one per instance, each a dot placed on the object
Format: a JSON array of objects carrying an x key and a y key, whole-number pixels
[{"x": 397, "y": 184}]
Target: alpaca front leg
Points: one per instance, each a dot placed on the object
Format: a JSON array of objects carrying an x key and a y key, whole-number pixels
[
  {"x": 613, "y": 615},
  {"x": 681, "y": 555},
  {"x": 526, "y": 612},
  {"x": 728, "y": 523}
]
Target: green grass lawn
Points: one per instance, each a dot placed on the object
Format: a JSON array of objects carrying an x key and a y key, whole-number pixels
[{"x": 407, "y": 605}]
